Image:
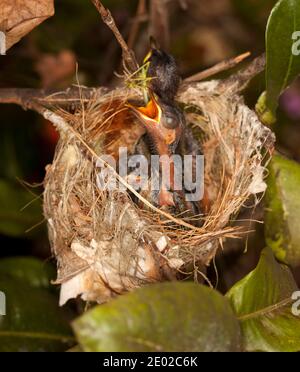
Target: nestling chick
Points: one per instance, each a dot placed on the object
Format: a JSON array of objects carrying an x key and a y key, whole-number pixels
[{"x": 164, "y": 123}]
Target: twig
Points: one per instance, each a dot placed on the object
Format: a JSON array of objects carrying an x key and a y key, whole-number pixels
[
  {"x": 27, "y": 97},
  {"x": 128, "y": 54},
  {"x": 222, "y": 66},
  {"x": 240, "y": 80},
  {"x": 139, "y": 17}
]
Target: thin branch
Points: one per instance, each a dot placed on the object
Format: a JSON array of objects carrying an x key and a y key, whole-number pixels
[
  {"x": 27, "y": 97},
  {"x": 222, "y": 66},
  {"x": 128, "y": 54},
  {"x": 241, "y": 79},
  {"x": 74, "y": 96}
]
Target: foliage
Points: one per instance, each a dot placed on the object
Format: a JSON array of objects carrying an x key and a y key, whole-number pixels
[
  {"x": 161, "y": 317},
  {"x": 282, "y": 226},
  {"x": 263, "y": 303},
  {"x": 33, "y": 321}
]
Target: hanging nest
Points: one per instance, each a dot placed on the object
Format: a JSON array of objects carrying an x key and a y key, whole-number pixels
[{"x": 105, "y": 242}]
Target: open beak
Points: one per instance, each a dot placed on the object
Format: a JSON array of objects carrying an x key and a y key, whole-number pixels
[{"x": 149, "y": 114}]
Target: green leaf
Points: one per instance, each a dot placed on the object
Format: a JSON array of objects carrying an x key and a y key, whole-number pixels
[
  {"x": 29, "y": 270},
  {"x": 264, "y": 114},
  {"x": 161, "y": 317},
  {"x": 19, "y": 211},
  {"x": 282, "y": 227},
  {"x": 33, "y": 320},
  {"x": 263, "y": 302},
  {"x": 282, "y": 66}
]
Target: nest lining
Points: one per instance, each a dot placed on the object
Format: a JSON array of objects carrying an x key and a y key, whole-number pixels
[{"x": 106, "y": 244}]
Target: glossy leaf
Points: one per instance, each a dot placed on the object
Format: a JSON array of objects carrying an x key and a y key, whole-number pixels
[
  {"x": 161, "y": 317},
  {"x": 263, "y": 303},
  {"x": 282, "y": 227},
  {"x": 29, "y": 270},
  {"x": 33, "y": 320},
  {"x": 282, "y": 65}
]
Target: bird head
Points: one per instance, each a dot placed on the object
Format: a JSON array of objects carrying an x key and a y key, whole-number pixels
[
  {"x": 163, "y": 122},
  {"x": 164, "y": 74}
]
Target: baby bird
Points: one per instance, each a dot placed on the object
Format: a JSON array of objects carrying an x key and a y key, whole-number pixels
[{"x": 165, "y": 124}]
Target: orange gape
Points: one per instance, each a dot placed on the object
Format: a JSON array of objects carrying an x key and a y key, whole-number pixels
[{"x": 164, "y": 141}]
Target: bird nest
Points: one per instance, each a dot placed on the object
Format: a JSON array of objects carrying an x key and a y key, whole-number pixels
[{"x": 108, "y": 242}]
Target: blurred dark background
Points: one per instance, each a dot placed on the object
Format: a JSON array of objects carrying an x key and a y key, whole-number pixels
[{"x": 200, "y": 33}]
